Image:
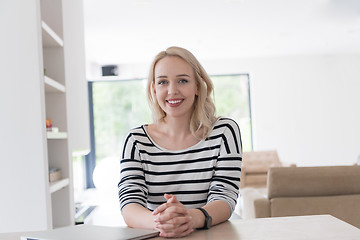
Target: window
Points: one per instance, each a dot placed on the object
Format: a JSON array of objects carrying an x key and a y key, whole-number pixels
[
  {"x": 119, "y": 106},
  {"x": 232, "y": 99}
]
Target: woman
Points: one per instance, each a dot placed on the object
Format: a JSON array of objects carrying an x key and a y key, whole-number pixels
[{"x": 183, "y": 171}]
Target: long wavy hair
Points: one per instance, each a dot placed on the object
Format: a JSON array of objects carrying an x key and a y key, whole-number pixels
[{"x": 203, "y": 115}]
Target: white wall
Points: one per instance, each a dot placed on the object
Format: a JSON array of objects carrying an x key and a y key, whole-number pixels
[
  {"x": 76, "y": 84},
  {"x": 23, "y": 202},
  {"x": 305, "y": 107}
]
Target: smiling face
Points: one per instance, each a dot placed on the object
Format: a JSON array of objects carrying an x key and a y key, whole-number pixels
[{"x": 175, "y": 86}]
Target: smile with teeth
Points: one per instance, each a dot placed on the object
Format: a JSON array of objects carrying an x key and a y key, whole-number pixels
[{"x": 174, "y": 101}]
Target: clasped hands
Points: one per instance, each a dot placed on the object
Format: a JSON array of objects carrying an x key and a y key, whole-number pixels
[{"x": 172, "y": 218}]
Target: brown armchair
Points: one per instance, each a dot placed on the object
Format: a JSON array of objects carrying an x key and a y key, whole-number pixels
[
  {"x": 254, "y": 170},
  {"x": 255, "y": 166}
]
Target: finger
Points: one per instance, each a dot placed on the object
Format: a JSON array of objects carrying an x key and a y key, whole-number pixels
[
  {"x": 173, "y": 199},
  {"x": 170, "y": 213},
  {"x": 170, "y": 198},
  {"x": 178, "y": 232},
  {"x": 160, "y": 209},
  {"x": 171, "y": 207},
  {"x": 167, "y": 196},
  {"x": 174, "y": 222},
  {"x": 174, "y": 229},
  {"x": 163, "y": 218}
]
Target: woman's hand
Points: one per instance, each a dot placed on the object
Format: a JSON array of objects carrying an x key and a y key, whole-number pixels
[{"x": 172, "y": 218}]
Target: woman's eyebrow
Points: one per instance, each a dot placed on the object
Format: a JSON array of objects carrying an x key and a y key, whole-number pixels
[
  {"x": 182, "y": 75},
  {"x": 161, "y": 77}
]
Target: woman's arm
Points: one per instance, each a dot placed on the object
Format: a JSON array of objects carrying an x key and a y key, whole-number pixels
[
  {"x": 218, "y": 210},
  {"x": 224, "y": 185},
  {"x": 136, "y": 216},
  {"x": 132, "y": 187}
]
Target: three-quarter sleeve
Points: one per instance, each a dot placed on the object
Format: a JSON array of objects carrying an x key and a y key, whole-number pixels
[
  {"x": 226, "y": 179},
  {"x": 132, "y": 187}
]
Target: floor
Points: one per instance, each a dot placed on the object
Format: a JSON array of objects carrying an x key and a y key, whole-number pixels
[{"x": 107, "y": 212}]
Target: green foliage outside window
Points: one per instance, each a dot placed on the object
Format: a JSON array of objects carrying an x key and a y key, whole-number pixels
[{"x": 232, "y": 100}]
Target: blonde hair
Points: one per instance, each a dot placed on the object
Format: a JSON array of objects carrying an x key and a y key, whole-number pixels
[{"x": 203, "y": 116}]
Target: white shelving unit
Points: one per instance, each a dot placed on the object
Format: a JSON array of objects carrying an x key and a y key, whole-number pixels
[
  {"x": 56, "y": 135},
  {"x": 44, "y": 67},
  {"x": 59, "y": 156},
  {"x": 49, "y": 37},
  {"x": 53, "y": 86},
  {"x": 58, "y": 185}
]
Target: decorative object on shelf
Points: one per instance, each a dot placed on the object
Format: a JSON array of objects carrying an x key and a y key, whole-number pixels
[
  {"x": 54, "y": 174},
  {"x": 48, "y": 125}
]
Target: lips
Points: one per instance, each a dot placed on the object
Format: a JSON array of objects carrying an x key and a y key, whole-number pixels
[{"x": 174, "y": 102}]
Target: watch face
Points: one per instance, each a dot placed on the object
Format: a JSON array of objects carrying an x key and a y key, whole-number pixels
[{"x": 208, "y": 222}]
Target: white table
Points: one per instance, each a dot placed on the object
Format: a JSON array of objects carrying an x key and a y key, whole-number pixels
[{"x": 315, "y": 227}]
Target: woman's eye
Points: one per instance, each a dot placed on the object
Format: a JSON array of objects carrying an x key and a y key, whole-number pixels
[
  {"x": 183, "y": 81},
  {"x": 161, "y": 82}
]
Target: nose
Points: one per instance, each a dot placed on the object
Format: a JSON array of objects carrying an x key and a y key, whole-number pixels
[{"x": 173, "y": 88}]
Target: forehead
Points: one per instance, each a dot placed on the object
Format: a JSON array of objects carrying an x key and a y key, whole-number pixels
[{"x": 172, "y": 66}]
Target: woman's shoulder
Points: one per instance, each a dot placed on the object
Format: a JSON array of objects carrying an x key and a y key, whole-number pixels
[
  {"x": 137, "y": 129},
  {"x": 225, "y": 122},
  {"x": 224, "y": 125},
  {"x": 136, "y": 132},
  {"x": 137, "y": 135}
]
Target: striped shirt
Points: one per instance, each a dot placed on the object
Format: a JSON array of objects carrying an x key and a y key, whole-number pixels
[{"x": 207, "y": 171}]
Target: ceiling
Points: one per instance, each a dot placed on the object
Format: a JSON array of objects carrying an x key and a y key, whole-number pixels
[{"x": 134, "y": 31}]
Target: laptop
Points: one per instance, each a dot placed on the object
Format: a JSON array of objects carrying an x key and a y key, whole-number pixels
[{"x": 92, "y": 232}]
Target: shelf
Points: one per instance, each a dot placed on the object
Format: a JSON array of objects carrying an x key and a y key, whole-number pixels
[
  {"x": 56, "y": 135},
  {"x": 49, "y": 37},
  {"x": 57, "y": 185},
  {"x": 53, "y": 86}
]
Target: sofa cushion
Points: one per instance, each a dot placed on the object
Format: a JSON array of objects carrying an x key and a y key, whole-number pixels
[
  {"x": 346, "y": 207},
  {"x": 313, "y": 181}
]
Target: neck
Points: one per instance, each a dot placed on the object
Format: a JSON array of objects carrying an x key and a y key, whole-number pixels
[{"x": 177, "y": 127}]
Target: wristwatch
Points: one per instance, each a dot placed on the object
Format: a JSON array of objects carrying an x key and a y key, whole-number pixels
[{"x": 208, "y": 219}]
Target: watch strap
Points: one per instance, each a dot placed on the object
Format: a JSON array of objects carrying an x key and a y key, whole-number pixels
[{"x": 207, "y": 218}]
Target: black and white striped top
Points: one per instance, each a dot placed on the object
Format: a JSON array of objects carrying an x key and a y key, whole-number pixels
[{"x": 207, "y": 171}]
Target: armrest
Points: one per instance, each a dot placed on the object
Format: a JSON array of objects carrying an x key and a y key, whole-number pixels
[
  {"x": 262, "y": 208},
  {"x": 248, "y": 198}
]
